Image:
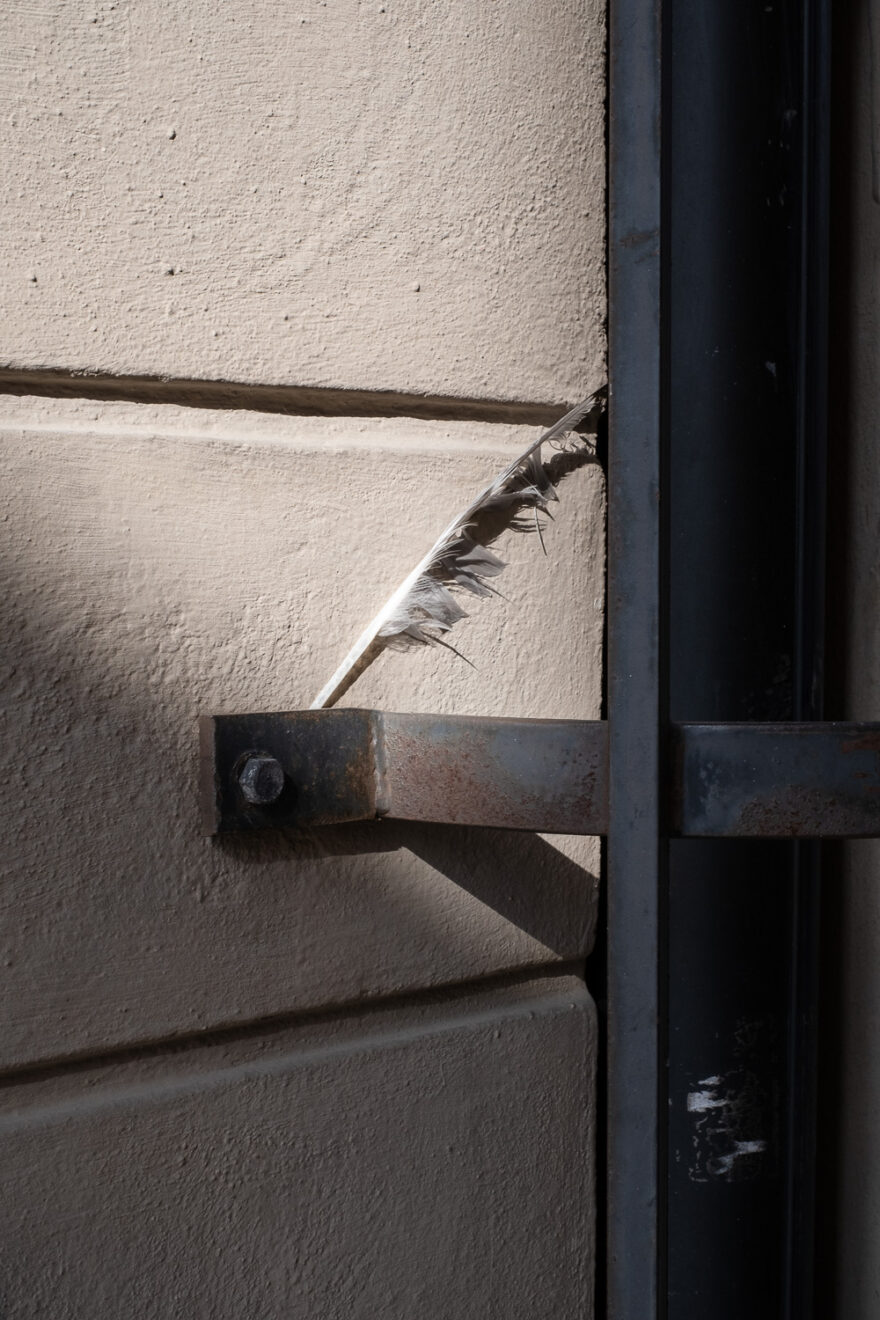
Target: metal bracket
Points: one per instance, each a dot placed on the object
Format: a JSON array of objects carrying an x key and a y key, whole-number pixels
[
  {"x": 348, "y": 765},
  {"x": 320, "y": 767}
]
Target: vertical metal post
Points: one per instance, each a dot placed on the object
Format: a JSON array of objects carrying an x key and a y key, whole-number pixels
[
  {"x": 744, "y": 142},
  {"x": 809, "y": 667},
  {"x": 714, "y": 613},
  {"x": 636, "y": 1084}
]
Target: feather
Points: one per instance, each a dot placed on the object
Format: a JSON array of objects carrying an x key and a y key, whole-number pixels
[{"x": 423, "y": 609}]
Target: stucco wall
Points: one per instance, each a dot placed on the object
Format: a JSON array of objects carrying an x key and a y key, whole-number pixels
[
  {"x": 167, "y": 562},
  {"x": 221, "y": 221},
  {"x": 428, "y": 1163},
  {"x": 349, "y": 194}
]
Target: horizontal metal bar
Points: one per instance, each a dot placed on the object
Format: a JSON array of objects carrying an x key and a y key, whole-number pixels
[
  {"x": 787, "y": 781},
  {"x": 543, "y": 775},
  {"x": 310, "y": 768},
  {"x": 337, "y": 766}
]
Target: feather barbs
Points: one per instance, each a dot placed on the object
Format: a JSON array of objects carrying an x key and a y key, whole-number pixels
[{"x": 423, "y": 610}]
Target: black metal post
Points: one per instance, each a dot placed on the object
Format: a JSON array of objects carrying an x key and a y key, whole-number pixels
[
  {"x": 715, "y": 614},
  {"x": 745, "y": 305},
  {"x": 635, "y": 1286}
]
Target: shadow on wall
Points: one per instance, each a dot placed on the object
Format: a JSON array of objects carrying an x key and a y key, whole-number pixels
[
  {"x": 520, "y": 876},
  {"x": 129, "y": 607}
]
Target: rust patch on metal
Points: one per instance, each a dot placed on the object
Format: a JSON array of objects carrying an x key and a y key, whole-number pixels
[
  {"x": 547, "y": 776},
  {"x": 791, "y": 813},
  {"x": 866, "y": 742}
]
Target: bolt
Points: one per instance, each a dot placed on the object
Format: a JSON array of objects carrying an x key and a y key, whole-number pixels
[{"x": 261, "y": 780}]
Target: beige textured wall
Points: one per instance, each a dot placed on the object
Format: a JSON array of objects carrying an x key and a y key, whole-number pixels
[
  {"x": 850, "y": 1134},
  {"x": 165, "y": 562},
  {"x": 397, "y": 196},
  {"x": 393, "y": 204},
  {"x": 419, "y": 1163}
]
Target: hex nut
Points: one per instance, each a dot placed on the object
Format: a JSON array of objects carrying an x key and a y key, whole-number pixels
[{"x": 261, "y": 780}]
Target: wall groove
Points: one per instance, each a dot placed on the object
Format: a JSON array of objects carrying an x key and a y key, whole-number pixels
[
  {"x": 289, "y": 400},
  {"x": 367, "y": 1011}
]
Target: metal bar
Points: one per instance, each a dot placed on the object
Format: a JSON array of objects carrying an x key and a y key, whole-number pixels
[
  {"x": 308, "y": 768},
  {"x": 809, "y": 667},
  {"x": 786, "y": 781},
  {"x": 543, "y": 775},
  {"x": 635, "y": 1209},
  {"x": 312, "y": 768},
  {"x": 745, "y": 494}
]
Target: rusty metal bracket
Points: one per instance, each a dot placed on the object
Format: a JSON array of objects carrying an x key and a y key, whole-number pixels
[
  {"x": 349, "y": 765},
  {"x": 314, "y": 768}
]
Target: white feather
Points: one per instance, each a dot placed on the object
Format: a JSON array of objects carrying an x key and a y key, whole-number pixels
[{"x": 423, "y": 608}]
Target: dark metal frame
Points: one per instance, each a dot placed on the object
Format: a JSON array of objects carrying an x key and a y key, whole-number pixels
[
  {"x": 635, "y": 1148},
  {"x": 720, "y": 781},
  {"x": 718, "y": 144}
]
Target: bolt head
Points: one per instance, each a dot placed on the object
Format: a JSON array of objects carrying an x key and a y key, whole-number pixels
[{"x": 261, "y": 780}]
